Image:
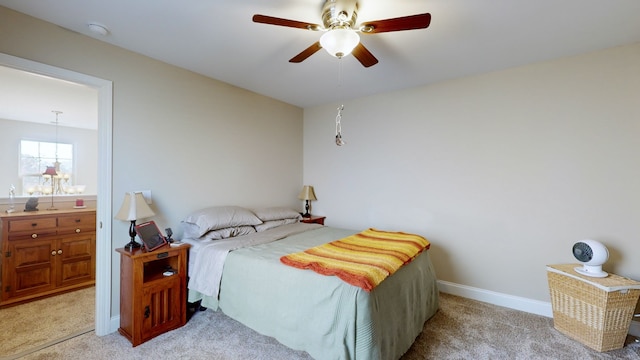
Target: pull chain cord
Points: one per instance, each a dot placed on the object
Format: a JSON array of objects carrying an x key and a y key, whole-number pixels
[{"x": 339, "y": 140}]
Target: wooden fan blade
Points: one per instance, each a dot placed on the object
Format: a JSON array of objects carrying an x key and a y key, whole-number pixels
[
  {"x": 412, "y": 22},
  {"x": 306, "y": 53},
  {"x": 270, "y": 20},
  {"x": 363, "y": 55}
]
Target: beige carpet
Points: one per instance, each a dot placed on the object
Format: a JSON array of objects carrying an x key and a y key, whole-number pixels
[
  {"x": 39, "y": 324},
  {"x": 462, "y": 329}
]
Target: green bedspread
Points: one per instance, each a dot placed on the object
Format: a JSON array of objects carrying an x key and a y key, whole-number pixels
[{"x": 323, "y": 315}]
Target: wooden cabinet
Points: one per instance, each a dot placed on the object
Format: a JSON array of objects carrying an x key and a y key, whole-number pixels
[
  {"x": 46, "y": 253},
  {"x": 153, "y": 296}
]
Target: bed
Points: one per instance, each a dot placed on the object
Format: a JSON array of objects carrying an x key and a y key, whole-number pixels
[{"x": 322, "y": 315}]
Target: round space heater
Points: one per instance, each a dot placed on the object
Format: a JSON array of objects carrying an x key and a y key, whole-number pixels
[{"x": 592, "y": 254}]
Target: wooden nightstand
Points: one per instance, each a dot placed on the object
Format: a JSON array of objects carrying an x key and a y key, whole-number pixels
[
  {"x": 314, "y": 220},
  {"x": 153, "y": 296}
]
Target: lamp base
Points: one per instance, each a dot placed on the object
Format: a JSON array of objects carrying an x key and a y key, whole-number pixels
[
  {"x": 132, "y": 233},
  {"x": 132, "y": 245},
  {"x": 306, "y": 209}
]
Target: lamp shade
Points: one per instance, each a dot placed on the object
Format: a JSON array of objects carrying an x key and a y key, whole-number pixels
[
  {"x": 51, "y": 171},
  {"x": 134, "y": 207},
  {"x": 307, "y": 193},
  {"x": 339, "y": 42}
]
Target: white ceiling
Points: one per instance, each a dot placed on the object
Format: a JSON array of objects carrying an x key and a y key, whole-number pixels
[
  {"x": 34, "y": 98},
  {"x": 217, "y": 38}
]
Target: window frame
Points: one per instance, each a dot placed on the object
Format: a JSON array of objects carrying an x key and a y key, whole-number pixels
[{"x": 42, "y": 154}]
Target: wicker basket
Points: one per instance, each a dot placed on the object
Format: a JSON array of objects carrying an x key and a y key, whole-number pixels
[{"x": 594, "y": 311}]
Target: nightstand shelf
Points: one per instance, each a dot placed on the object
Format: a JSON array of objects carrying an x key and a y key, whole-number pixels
[{"x": 153, "y": 297}]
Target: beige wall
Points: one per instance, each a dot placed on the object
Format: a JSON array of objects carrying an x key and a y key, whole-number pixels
[
  {"x": 503, "y": 172},
  {"x": 191, "y": 140}
]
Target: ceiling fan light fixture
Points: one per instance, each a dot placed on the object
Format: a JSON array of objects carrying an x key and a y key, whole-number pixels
[{"x": 339, "y": 42}]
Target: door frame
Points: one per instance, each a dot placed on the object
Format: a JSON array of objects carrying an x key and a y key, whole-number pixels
[{"x": 105, "y": 179}]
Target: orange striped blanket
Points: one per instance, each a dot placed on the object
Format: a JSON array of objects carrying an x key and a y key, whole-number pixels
[{"x": 364, "y": 259}]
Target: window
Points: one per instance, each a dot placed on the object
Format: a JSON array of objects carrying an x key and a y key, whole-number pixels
[{"x": 35, "y": 156}]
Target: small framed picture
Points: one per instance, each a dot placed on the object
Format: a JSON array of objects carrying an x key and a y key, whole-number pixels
[{"x": 150, "y": 235}]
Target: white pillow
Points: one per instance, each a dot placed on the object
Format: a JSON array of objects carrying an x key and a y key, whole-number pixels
[
  {"x": 276, "y": 213},
  {"x": 220, "y": 217},
  {"x": 274, "y": 223},
  {"x": 229, "y": 232},
  {"x": 190, "y": 231}
]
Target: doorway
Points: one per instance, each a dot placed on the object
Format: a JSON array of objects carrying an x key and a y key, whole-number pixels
[{"x": 104, "y": 206}]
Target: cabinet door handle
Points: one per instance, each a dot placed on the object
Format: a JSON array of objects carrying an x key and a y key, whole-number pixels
[
  {"x": 33, "y": 236},
  {"x": 53, "y": 253},
  {"x": 77, "y": 231},
  {"x": 60, "y": 252},
  {"x": 147, "y": 311}
]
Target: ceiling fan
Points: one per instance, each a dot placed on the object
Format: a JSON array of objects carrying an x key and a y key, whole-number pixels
[{"x": 341, "y": 33}]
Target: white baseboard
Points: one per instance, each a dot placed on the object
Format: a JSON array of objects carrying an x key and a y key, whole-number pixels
[
  {"x": 509, "y": 301},
  {"x": 115, "y": 323}
]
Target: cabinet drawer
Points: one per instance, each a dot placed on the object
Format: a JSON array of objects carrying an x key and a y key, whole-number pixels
[
  {"x": 31, "y": 235},
  {"x": 76, "y": 223},
  {"x": 32, "y": 224}
]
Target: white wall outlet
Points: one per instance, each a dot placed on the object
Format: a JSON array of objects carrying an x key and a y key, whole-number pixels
[{"x": 147, "y": 196}]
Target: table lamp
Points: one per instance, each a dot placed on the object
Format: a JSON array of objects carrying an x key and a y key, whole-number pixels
[
  {"x": 134, "y": 207},
  {"x": 307, "y": 194},
  {"x": 51, "y": 173}
]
